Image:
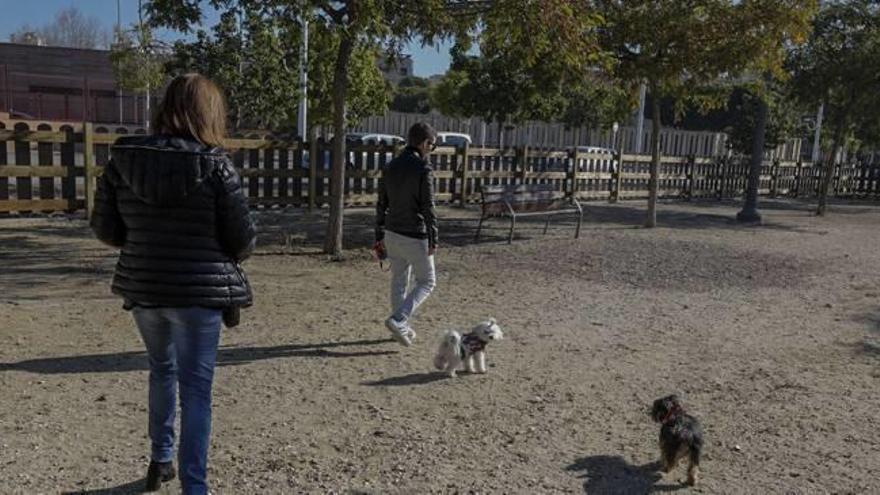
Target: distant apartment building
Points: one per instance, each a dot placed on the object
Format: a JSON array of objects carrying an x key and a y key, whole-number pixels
[
  {"x": 396, "y": 69},
  {"x": 55, "y": 83}
]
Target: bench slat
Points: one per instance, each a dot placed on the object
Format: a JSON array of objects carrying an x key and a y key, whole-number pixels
[{"x": 534, "y": 199}]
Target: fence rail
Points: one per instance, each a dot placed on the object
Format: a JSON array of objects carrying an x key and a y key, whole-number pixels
[{"x": 47, "y": 167}]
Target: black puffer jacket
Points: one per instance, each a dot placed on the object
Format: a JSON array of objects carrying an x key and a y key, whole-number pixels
[
  {"x": 406, "y": 198},
  {"x": 177, "y": 210}
]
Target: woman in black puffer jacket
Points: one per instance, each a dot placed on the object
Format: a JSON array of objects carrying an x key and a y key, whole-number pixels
[{"x": 173, "y": 203}]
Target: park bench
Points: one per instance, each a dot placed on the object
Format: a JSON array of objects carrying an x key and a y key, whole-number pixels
[{"x": 526, "y": 200}]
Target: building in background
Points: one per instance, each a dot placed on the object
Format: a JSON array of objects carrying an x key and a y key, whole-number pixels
[
  {"x": 397, "y": 68},
  {"x": 56, "y": 83}
]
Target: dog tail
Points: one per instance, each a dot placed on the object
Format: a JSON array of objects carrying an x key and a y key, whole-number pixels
[
  {"x": 451, "y": 339},
  {"x": 450, "y": 345},
  {"x": 452, "y": 342}
]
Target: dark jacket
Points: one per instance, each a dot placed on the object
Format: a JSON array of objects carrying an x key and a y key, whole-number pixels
[
  {"x": 406, "y": 198},
  {"x": 177, "y": 210}
]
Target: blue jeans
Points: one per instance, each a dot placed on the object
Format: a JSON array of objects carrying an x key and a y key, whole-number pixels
[{"x": 182, "y": 347}]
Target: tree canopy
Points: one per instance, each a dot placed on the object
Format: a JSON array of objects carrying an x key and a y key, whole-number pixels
[
  {"x": 679, "y": 48},
  {"x": 839, "y": 66}
]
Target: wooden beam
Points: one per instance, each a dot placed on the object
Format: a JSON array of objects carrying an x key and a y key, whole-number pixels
[
  {"x": 10, "y": 205},
  {"x": 32, "y": 171},
  {"x": 33, "y": 136}
]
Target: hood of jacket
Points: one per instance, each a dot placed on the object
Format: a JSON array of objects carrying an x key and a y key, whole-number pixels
[{"x": 162, "y": 170}]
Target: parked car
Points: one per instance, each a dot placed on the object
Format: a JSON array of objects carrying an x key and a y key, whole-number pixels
[
  {"x": 595, "y": 149},
  {"x": 606, "y": 163},
  {"x": 455, "y": 139},
  {"x": 358, "y": 138},
  {"x": 374, "y": 138}
]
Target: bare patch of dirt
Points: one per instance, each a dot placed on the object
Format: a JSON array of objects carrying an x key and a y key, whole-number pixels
[{"x": 769, "y": 333}]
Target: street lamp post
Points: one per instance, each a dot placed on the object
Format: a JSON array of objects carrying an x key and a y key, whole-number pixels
[{"x": 302, "y": 112}]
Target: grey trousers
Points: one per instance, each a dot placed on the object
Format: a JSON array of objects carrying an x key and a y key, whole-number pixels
[{"x": 409, "y": 256}]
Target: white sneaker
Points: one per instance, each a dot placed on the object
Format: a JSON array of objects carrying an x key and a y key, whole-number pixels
[{"x": 400, "y": 331}]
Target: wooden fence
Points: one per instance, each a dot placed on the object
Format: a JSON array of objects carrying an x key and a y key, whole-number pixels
[{"x": 53, "y": 167}]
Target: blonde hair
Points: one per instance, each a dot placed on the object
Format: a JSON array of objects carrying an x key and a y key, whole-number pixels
[{"x": 193, "y": 107}]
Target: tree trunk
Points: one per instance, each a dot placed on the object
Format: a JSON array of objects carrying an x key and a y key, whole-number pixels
[
  {"x": 333, "y": 240},
  {"x": 828, "y": 171},
  {"x": 749, "y": 213},
  {"x": 651, "y": 219}
]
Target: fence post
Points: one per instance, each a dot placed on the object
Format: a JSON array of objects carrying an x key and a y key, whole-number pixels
[
  {"x": 463, "y": 174},
  {"x": 313, "y": 173},
  {"x": 836, "y": 178},
  {"x": 573, "y": 174},
  {"x": 68, "y": 160},
  {"x": 689, "y": 177},
  {"x": 88, "y": 165},
  {"x": 774, "y": 178},
  {"x": 616, "y": 177},
  {"x": 798, "y": 172},
  {"x": 522, "y": 154}
]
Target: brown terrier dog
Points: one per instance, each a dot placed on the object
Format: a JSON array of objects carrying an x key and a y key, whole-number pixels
[{"x": 680, "y": 435}]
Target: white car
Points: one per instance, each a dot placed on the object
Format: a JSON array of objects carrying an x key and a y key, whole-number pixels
[
  {"x": 595, "y": 149},
  {"x": 358, "y": 138},
  {"x": 605, "y": 160},
  {"x": 374, "y": 138},
  {"x": 454, "y": 139}
]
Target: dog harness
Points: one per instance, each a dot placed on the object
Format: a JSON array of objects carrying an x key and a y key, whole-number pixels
[{"x": 471, "y": 344}]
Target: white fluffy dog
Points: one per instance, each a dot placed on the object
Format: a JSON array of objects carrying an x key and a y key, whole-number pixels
[{"x": 469, "y": 348}]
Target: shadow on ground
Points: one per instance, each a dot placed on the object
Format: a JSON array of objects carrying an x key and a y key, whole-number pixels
[
  {"x": 137, "y": 361},
  {"x": 408, "y": 380},
  {"x": 298, "y": 229},
  {"x": 126, "y": 489},
  {"x": 612, "y": 475}
]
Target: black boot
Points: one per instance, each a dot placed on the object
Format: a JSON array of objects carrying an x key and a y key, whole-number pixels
[{"x": 158, "y": 473}]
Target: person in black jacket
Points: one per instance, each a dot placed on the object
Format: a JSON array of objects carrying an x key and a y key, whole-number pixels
[
  {"x": 173, "y": 203},
  {"x": 406, "y": 228}
]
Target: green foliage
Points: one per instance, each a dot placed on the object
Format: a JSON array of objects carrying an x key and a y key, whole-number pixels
[
  {"x": 412, "y": 95},
  {"x": 254, "y": 54},
  {"x": 537, "y": 61},
  {"x": 595, "y": 101},
  {"x": 368, "y": 92},
  {"x": 680, "y": 47},
  {"x": 839, "y": 65},
  {"x": 136, "y": 63},
  {"x": 783, "y": 119}
]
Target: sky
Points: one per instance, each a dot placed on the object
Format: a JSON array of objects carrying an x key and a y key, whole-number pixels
[{"x": 15, "y": 13}]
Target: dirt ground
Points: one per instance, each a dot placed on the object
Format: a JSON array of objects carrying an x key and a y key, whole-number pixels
[{"x": 771, "y": 334}]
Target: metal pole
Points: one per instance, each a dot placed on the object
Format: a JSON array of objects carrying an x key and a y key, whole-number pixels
[
  {"x": 144, "y": 48},
  {"x": 302, "y": 113},
  {"x": 147, "y": 109},
  {"x": 818, "y": 134},
  {"x": 118, "y": 39},
  {"x": 640, "y": 118}
]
